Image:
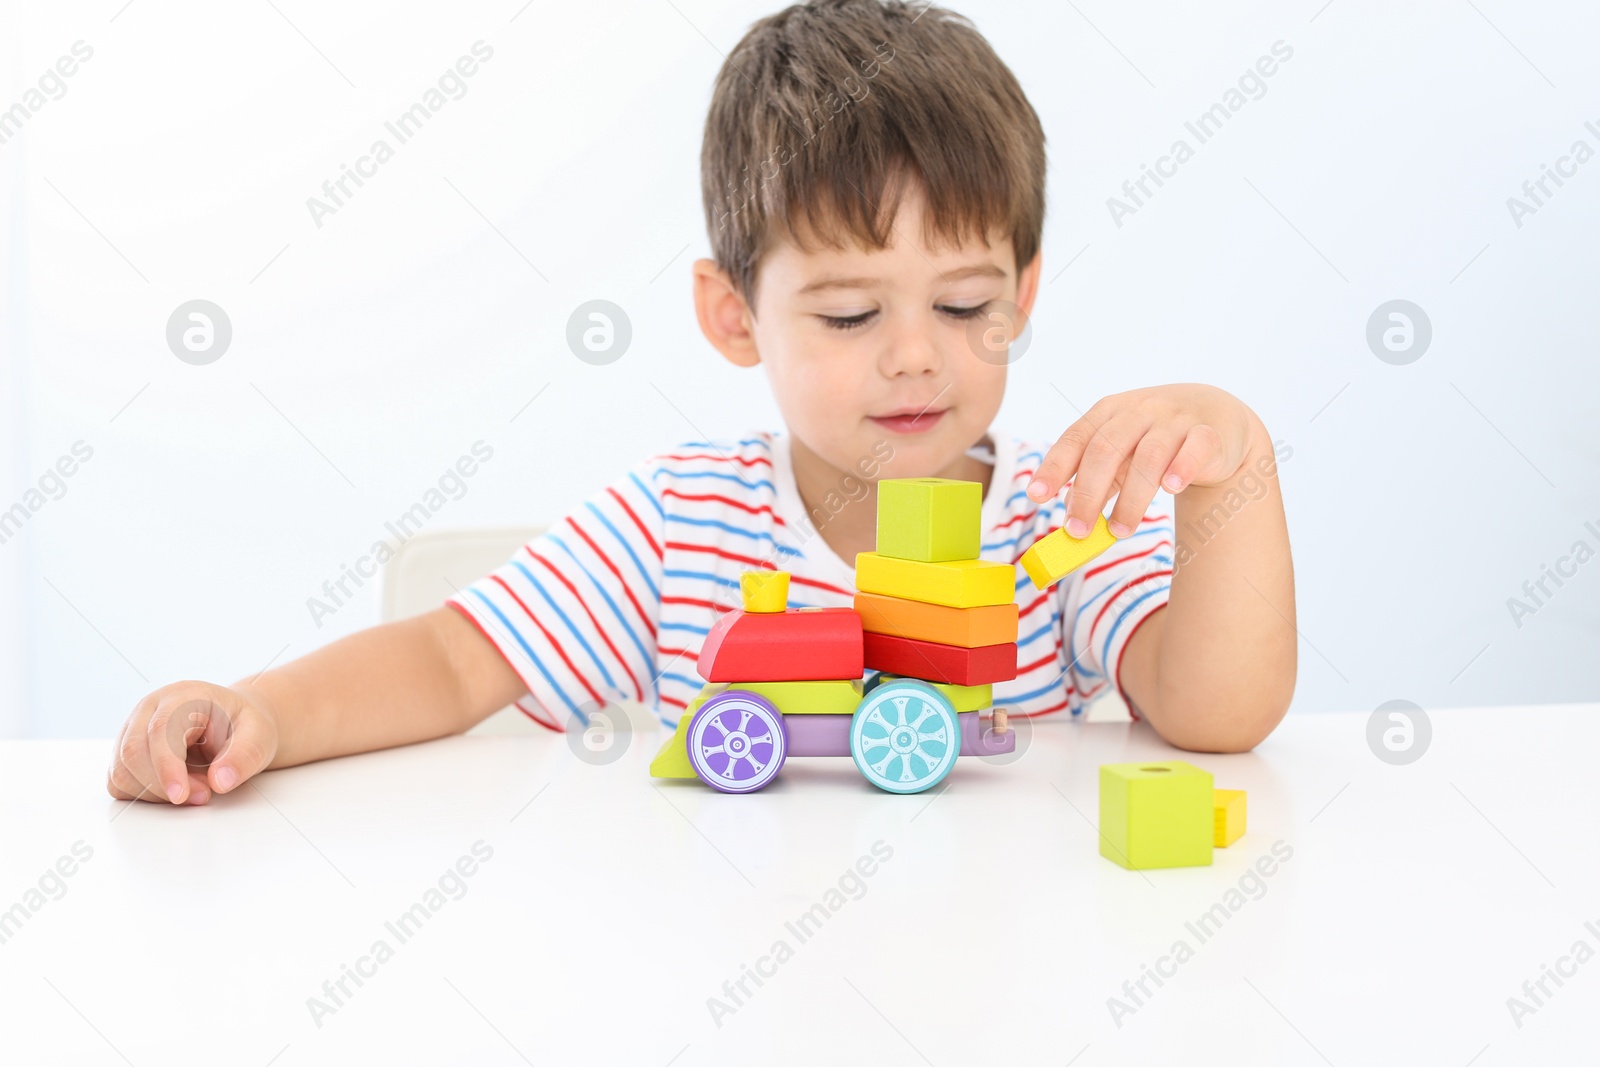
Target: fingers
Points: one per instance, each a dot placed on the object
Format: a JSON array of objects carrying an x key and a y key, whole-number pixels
[
  {"x": 1151, "y": 460},
  {"x": 1201, "y": 458},
  {"x": 1100, "y": 471},
  {"x": 175, "y": 725},
  {"x": 160, "y": 754},
  {"x": 132, "y": 777},
  {"x": 248, "y": 751},
  {"x": 1062, "y": 460}
]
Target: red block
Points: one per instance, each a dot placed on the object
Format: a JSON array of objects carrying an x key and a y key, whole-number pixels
[
  {"x": 933, "y": 662},
  {"x": 800, "y": 644}
]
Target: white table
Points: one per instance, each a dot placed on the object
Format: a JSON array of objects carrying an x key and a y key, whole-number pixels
[{"x": 1417, "y": 900}]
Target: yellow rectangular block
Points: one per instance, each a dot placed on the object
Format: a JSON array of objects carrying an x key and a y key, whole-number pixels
[
  {"x": 963, "y": 583},
  {"x": 992, "y": 624},
  {"x": 1228, "y": 807},
  {"x": 1056, "y": 555}
]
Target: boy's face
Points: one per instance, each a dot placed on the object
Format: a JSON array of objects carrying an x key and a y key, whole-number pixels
[{"x": 864, "y": 347}]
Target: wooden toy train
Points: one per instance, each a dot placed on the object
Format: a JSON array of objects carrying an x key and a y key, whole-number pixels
[{"x": 899, "y": 682}]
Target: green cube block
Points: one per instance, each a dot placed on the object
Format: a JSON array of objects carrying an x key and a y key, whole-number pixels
[
  {"x": 1156, "y": 815},
  {"x": 931, "y": 520}
]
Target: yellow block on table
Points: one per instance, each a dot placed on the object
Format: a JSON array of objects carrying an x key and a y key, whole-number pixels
[{"x": 1227, "y": 806}]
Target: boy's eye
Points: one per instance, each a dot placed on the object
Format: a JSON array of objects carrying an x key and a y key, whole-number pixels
[
  {"x": 966, "y": 313},
  {"x": 847, "y": 322},
  {"x": 850, "y": 322}
]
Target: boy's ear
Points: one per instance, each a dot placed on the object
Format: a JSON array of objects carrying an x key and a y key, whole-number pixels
[{"x": 724, "y": 316}]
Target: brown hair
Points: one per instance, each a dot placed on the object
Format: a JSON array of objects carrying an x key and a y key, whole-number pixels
[{"x": 826, "y": 110}]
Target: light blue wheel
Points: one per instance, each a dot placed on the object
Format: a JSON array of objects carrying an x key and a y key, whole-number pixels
[{"x": 905, "y": 736}]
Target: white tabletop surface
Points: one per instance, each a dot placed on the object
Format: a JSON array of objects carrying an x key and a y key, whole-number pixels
[{"x": 1416, "y": 900}]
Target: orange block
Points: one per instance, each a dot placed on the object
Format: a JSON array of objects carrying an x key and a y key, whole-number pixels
[{"x": 992, "y": 624}]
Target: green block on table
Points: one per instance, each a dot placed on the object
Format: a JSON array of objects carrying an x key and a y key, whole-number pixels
[
  {"x": 933, "y": 520},
  {"x": 1156, "y": 815}
]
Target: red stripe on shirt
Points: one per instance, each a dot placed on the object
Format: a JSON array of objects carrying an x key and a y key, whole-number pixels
[
  {"x": 647, "y": 536},
  {"x": 562, "y": 578},
  {"x": 728, "y": 500},
  {"x": 1043, "y": 711},
  {"x": 1091, "y": 572},
  {"x": 473, "y": 619},
  {"x": 763, "y": 564},
  {"x": 1049, "y": 657},
  {"x": 551, "y": 638},
  {"x": 627, "y": 588},
  {"x": 752, "y": 461},
  {"x": 1094, "y": 627},
  {"x": 696, "y": 602},
  {"x": 1040, "y": 599},
  {"x": 1132, "y": 711},
  {"x": 685, "y": 546}
]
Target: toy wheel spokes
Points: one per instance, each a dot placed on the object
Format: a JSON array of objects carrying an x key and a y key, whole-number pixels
[
  {"x": 905, "y": 737},
  {"x": 737, "y": 742}
]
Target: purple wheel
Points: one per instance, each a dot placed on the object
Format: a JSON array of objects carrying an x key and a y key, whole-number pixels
[{"x": 737, "y": 742}]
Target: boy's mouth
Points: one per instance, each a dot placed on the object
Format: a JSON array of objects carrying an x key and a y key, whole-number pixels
[{"x": 910, "y": 420}]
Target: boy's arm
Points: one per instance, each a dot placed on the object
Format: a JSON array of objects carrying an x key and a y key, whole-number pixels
[
  {"x": 395, "y": 684},
  {"x": 428, "y": 676},
  {"x": 1214, "y": 670}
]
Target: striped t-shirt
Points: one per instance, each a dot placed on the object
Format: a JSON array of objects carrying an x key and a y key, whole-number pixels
[{"x": 615, "y": 600}]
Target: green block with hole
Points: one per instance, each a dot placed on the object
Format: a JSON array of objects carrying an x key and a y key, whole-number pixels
[
  {"x": 1156, "y": 814},
  {"x": 932, "y": 520}
]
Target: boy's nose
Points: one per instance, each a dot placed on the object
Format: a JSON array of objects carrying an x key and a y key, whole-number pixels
[{"x": 912, "y": 351}]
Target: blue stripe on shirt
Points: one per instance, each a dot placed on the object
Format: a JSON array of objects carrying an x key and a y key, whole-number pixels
[
  {"x": 627, "y": 546},
  {"x": 760, "y": 483},
  {"x": 754, "y": 535},
  {"x": 1040, "y": 632},
  {"x": 648, "y": 495},
  {"x": 1055, "y": 684},
  {"x": 571, "y": 627},
  {"x": 616, "y": 611},
  {"x": 728, "y": 583},
  {"x": 1105, "y": 649},
  {"x": 718, "y": 445},
  {"x": 528, "y": 651},
  {"x": 671, "y": 676}
]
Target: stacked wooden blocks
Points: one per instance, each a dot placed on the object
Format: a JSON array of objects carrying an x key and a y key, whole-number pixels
[{"x": 930, "y": 608}]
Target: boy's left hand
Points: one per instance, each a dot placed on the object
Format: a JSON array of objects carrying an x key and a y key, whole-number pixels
[{"x": 1131, "y": 444}]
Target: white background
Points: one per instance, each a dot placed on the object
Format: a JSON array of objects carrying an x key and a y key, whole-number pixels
[{"x": 369, "y": 354}]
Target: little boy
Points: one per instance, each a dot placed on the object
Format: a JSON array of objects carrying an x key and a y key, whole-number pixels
[{"x": 873, "y": 179}]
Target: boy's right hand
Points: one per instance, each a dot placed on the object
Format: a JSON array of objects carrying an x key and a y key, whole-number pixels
[{"x": 188, "y": 740}]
